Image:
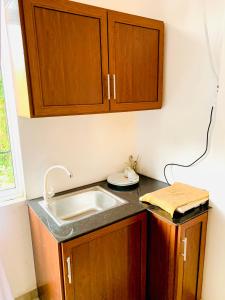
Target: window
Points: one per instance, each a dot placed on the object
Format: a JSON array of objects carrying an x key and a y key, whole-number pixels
[
  {"x": 7, "y": 180},
  {"x": 11, "y": 175}
]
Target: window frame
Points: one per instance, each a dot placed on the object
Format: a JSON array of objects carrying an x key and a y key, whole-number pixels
[{"x": 10, "y": 104}]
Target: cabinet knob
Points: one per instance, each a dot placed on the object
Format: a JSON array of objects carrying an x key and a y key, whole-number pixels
[{"x": 184, "y": 254}]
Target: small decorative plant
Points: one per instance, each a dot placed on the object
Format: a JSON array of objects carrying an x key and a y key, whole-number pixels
[{"x": 132, "y": 162}]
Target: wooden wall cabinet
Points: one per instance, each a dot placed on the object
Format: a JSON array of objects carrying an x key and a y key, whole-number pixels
[
  {"x": 109, "y": 263},
  {"x": 176, "y": 258},
  {"x": 82, "y": 59}
]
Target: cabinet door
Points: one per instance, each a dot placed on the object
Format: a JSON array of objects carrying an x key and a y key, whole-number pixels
[
  {"x": 136, "y": 62},
  {"x": 191, "y": 251},
  {"x": 109, "y": 263},
  {"x": 67, "y": 57}
]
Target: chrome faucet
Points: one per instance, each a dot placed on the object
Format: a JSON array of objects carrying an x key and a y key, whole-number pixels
[{"x": 47, "y": 195}]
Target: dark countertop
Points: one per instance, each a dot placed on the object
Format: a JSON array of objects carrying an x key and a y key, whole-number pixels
[{"x": 78, "y": 228}]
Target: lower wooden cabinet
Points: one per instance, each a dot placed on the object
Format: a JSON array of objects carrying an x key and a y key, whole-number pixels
[
  {"x": 111, "y": 263},
  {"x": 107, "y": 264},
  {"x": 176, "y": 258}
]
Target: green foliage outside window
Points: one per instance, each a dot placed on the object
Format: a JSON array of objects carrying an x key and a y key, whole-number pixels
[{"x": 6, "y": 164}]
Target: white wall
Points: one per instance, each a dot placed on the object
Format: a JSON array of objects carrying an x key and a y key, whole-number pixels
[
  {"x": 94, "y": 146},
  {"x": 177, "y": 132},
  {"x": 15, "y": 251}
]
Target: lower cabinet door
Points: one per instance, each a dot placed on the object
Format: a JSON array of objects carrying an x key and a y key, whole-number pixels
[
  {"x": 191, "y": 250},
  {"x": 107, "y": 264},
  {"x": 176, "y": 258}
]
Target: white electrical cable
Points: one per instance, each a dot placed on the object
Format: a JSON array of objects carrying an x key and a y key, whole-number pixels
[
  {"x": 209, "y": 48},
  {"x": 211, "y": 60}
]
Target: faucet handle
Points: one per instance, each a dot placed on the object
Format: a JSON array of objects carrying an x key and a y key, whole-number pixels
[{"x": 51, "y": 192}]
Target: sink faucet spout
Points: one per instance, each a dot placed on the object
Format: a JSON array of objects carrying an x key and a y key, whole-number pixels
[{"x": 47, "y": 195}]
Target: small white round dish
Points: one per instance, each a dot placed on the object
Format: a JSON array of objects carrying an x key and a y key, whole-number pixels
[{"x": 120, "y": 180}]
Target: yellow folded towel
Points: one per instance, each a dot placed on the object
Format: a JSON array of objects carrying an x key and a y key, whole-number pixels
[{"x": 174, "y": 196}]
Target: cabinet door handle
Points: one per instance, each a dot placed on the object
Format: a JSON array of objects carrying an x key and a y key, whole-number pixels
[
  {"x": 114, "y": 86},
  {"x": 185, "y": 249},
  {"x": 69, "y": 274},
  {"x": 108, "y": 85}
]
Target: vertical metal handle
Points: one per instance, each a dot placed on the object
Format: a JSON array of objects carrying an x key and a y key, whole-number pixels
[
  {"x": 114, "y": 86},
  {"x": 185, "y": 249},
  {"x": 108, "y": 82},
  {"x": 69, "y": 275}
]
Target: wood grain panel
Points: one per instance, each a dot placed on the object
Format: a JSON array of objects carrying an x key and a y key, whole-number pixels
[
  {"x": 190, "y": 278},
  {"x": 136, "y": 58},
  {"x": 190, "y": 273},
  {"x": 70, "y": 62},
  {"x": 67, "y": 55},
  {"x": 47, "y": 259},
  {"x": 136, "y": 63},
  {"x": 109, "y": 263},
  {"x": 162, "y": 259}
]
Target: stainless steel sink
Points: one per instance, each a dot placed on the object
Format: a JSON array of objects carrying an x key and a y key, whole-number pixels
[{"x": 75, "y": 206}]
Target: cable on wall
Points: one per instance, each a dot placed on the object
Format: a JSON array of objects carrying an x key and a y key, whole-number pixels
[
  {"x": 200, "y": 157},
  {"x": 212, "y": 108}
]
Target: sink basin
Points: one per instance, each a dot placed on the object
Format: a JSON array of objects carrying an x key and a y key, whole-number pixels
[{"x": 75, "y": 206}]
